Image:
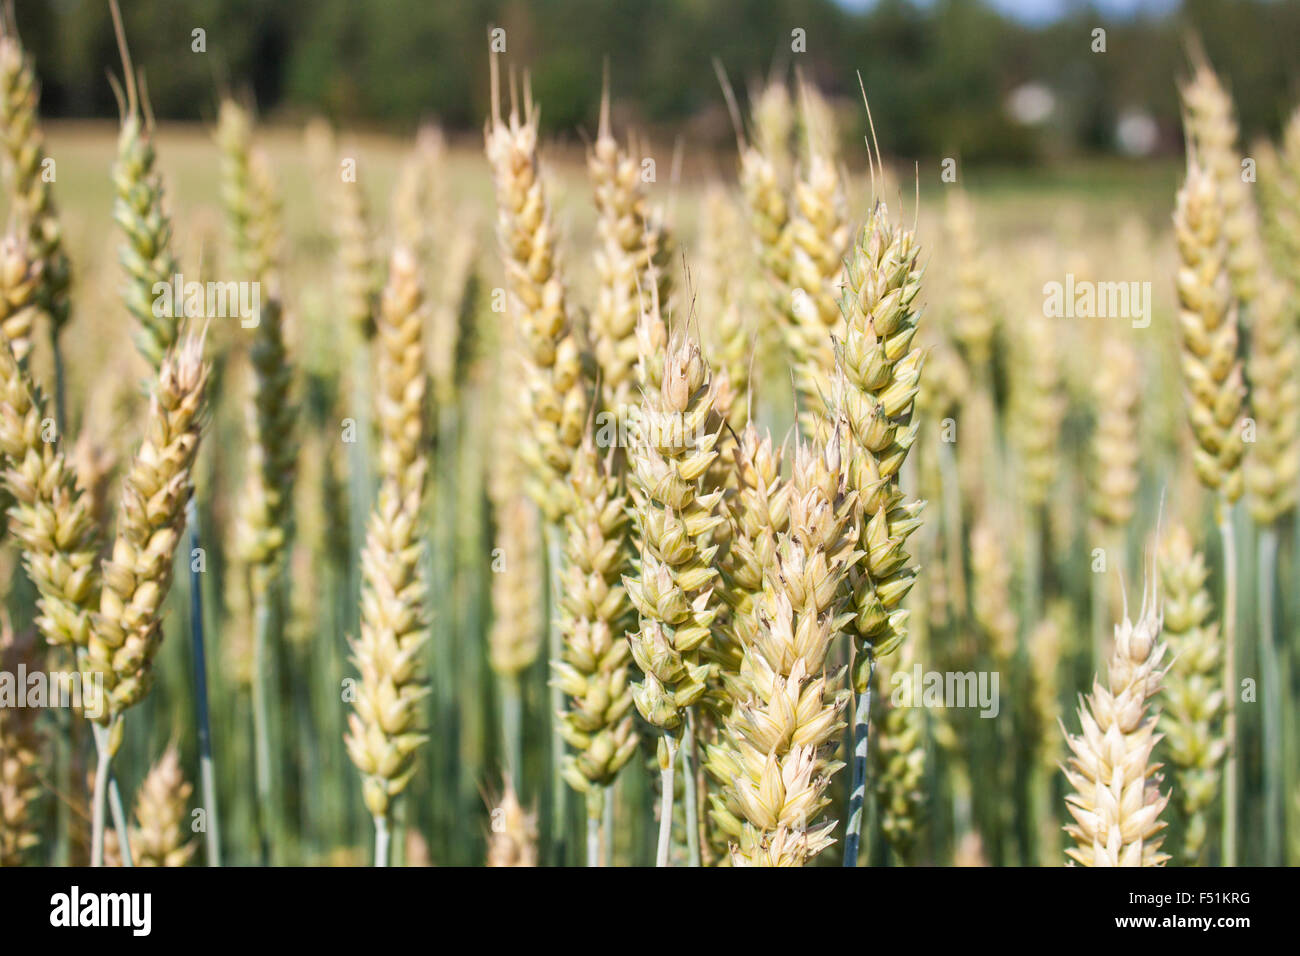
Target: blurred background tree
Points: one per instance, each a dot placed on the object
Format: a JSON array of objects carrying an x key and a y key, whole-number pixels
[{"x": 945, "y": 77}]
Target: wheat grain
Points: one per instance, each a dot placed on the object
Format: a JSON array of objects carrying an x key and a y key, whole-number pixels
[{"x": 1116, "y": 803}]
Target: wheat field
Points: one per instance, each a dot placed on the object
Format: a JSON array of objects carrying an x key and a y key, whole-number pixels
[{"x": 522, "y": 503}]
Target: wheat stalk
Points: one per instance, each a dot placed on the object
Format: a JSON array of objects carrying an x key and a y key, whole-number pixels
[
  {"x": 1193, "y": 696},
  {"x": 162, "y": 815},
  {"x": 1116, "y": 803}
]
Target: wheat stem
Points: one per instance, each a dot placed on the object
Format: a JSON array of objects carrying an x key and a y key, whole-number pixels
[
  {"x": 668, "y": 745},
  {"x": 261, "y": 731},
  {"x": 98, "y": 798},
  {"x": 207, "y": 776},
  {"x": 382, "y": 840},
  {"x": 512, "y": 725},
  {"x": 1272, "y": 693},
  {"x": 554, "y": 646},
  {"x": 690, "y": 761},
  {"x": 858, "y": 793},
  {"x": 1230, "y": 691}
]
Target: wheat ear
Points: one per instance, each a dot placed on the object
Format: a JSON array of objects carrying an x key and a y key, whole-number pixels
[
  {"x": 675, "y": 436},
  {"x": 784, "y": 731},
  {"x": 881, "y": 375},
  {"x": 146, "y": 256},
  {"x": 898, "y": 756},
  {"x": 21, "y": 743},
  {"x": 137, "y": 573},
  {"x": 1115, "y": 440},
  {"x": 1193, "y": 695},
  {"x": 50, "y": 517},
  {"x": 20, "y": 279},
  {"x": 553, "y": 374},
  {"x": 820, "y": 238},
  {"x": 384, "y": 732},
  {"x": 1116, "y": 803},
  {"x": 162, "y": 815},
  {"x": 30, "y": 187},
  {"x": 631, "y": 253},
  {"x": 974, "y": 321},
  {"x": 1212, "y": 130},
  {"x": 595, "y": 614},
  {"x": 1279, "y": 185},
  {"x": 1215, "y": 394},
  {"x": 512, "y": 840}
]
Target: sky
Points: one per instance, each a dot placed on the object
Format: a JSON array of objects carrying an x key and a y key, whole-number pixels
[{"x": 1044, "y": 11}]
